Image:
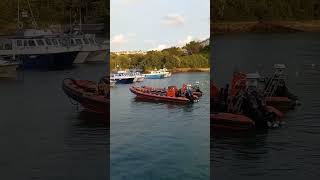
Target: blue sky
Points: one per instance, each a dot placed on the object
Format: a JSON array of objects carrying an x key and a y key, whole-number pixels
[{"x": 157, "y": 24}]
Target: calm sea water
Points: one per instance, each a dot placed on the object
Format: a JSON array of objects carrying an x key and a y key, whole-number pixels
[
  {"x": 292, "y": 151},
  {"x": 42, "y": 136},
  {"x": 157, "y": 140}
]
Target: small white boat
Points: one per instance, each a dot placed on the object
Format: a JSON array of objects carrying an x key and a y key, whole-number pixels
[
  {"x": 112, "y": 83},
  {"x": 165, "y": 72},
  {"x": 138, "y": 77},
  {"x": 8, "y": 69}
]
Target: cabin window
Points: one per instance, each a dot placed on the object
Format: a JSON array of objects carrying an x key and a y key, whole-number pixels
[
  {"x": 25, "y": 43},
  {"x": 7, "y": 46},
  {"x": 91, "y": 40},
  {"x": 78, "y": 41},
  {"x": 85, "y": 40},
  {"x": 32, "y": 43},
  {"x": 54, "y": 42},
  {"x": 40, "y": 42},
  {"x": 72, "y": 42},
  {"x": 60, "y": 41},
  {"x": 19, "y": 43},
  {"x": 49, "y": 42},
  {"x": 1, "y": 46}
]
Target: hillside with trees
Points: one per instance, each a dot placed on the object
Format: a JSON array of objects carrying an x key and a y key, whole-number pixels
[
  {"x": 53, "y": 12},
  {"x": 238, "y": 15},
  {"x": 192, "y": 56}
]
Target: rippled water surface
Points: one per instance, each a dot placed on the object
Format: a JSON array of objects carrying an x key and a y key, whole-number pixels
[
  {"x": 158, "y": 140},
  {"x": 292, "y": 151},
  {"x": 42, "y": 136}
]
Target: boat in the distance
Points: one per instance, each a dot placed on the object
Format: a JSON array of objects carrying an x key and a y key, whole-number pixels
[
  {"x": 154, "y": 75},
  {"x": 93, "y": 97},
  {"x": 165, "y": 72},
  {"x": 123, "y": 77},
  {"x": 171, "y": 94}
]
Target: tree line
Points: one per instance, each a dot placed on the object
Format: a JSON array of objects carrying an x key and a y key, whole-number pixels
[
  {"x": 48, "y": 12},
  {"x": 235, "y": 10},
  {"x": 192, "y": 55}
]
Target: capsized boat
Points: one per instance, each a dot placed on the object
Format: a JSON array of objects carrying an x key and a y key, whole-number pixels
[
  {"x": 91, "y": 96},
  {"x": 164, "y": 95}
]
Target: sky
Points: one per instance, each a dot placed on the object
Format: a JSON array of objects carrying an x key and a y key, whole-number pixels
[{"x": 157, "y": 24}]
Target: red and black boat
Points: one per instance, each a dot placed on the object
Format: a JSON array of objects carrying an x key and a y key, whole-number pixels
[
  {"x": 164, "y": 95},
  {"x": 241, "y": 108},
  {"x": 93, "y": 97}
]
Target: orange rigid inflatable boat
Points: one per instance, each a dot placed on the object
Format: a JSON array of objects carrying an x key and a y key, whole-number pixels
[
  {"x": 87, "y": 94},
  {"x": 158, "y": 94}
]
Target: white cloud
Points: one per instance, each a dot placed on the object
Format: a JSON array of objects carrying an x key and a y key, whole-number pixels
[
  {"x": 132, "y": 2},
  {"x": 159, "y": 47},
  {"x": 174, "y": 19},
  {"x": 185, "y": 41},
  {"x": 118, "y": 39}
]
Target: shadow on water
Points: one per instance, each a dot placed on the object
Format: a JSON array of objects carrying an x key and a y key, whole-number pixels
[{"x": 93, "y": 120}]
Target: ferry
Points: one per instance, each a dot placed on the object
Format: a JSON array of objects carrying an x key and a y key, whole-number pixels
[
  {"x": 123, "y": 77},
  {"x": 39, "y": 48}
]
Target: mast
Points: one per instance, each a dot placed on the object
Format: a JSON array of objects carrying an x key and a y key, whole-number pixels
[{"x": 80, "y": 25}]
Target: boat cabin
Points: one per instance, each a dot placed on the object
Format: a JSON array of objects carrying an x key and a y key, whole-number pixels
[{"x": 252, "y": 80}]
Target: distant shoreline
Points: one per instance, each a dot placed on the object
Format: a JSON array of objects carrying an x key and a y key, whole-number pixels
[
  {"x": 265, "y": 26},
  {"x": 181, "y": 70}
]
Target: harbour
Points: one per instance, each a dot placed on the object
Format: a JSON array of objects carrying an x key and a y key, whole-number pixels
[{"x": 285, "y": 152}]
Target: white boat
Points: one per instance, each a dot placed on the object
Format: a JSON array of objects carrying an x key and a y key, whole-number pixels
[
  {"x": 138, "y": 76},
  {"x": 8, "y": 69},
  {"x": 112, "y": 83},
  {"x": 165, "y": 72},
  {"x": 154, "y": 75},
  {"x": 122, "y": 77}
]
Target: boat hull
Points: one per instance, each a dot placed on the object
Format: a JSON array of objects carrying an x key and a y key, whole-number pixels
[
  {"x": 228, "y": 121},
  {"x": 48, "y": 61},
  {"x": 91, "y": 102},
  {"x": 124, "y": 81},
  {"x": 144, "y": 94},
  {"x": 154, "y": 76},
  {"x": 281, "y": 103}
]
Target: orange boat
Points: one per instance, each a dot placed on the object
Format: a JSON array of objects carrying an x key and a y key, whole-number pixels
[
  {"x": 229, "y": 113},
  {"x": 158, "y": 94},
  {"x": 90, "y": 95},
  {"x": 231, "y": 121}
]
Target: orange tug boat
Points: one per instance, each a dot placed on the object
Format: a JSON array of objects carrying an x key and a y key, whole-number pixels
[
  {"x": 163, "y": 95},
  {"x": 90, "y": 95}
]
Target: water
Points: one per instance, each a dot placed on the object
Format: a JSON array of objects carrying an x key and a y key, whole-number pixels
[
  {"x": 292, "y": 151},
  {"x": 157, "y": 140},
  {"x": 42, "y": 136}
]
